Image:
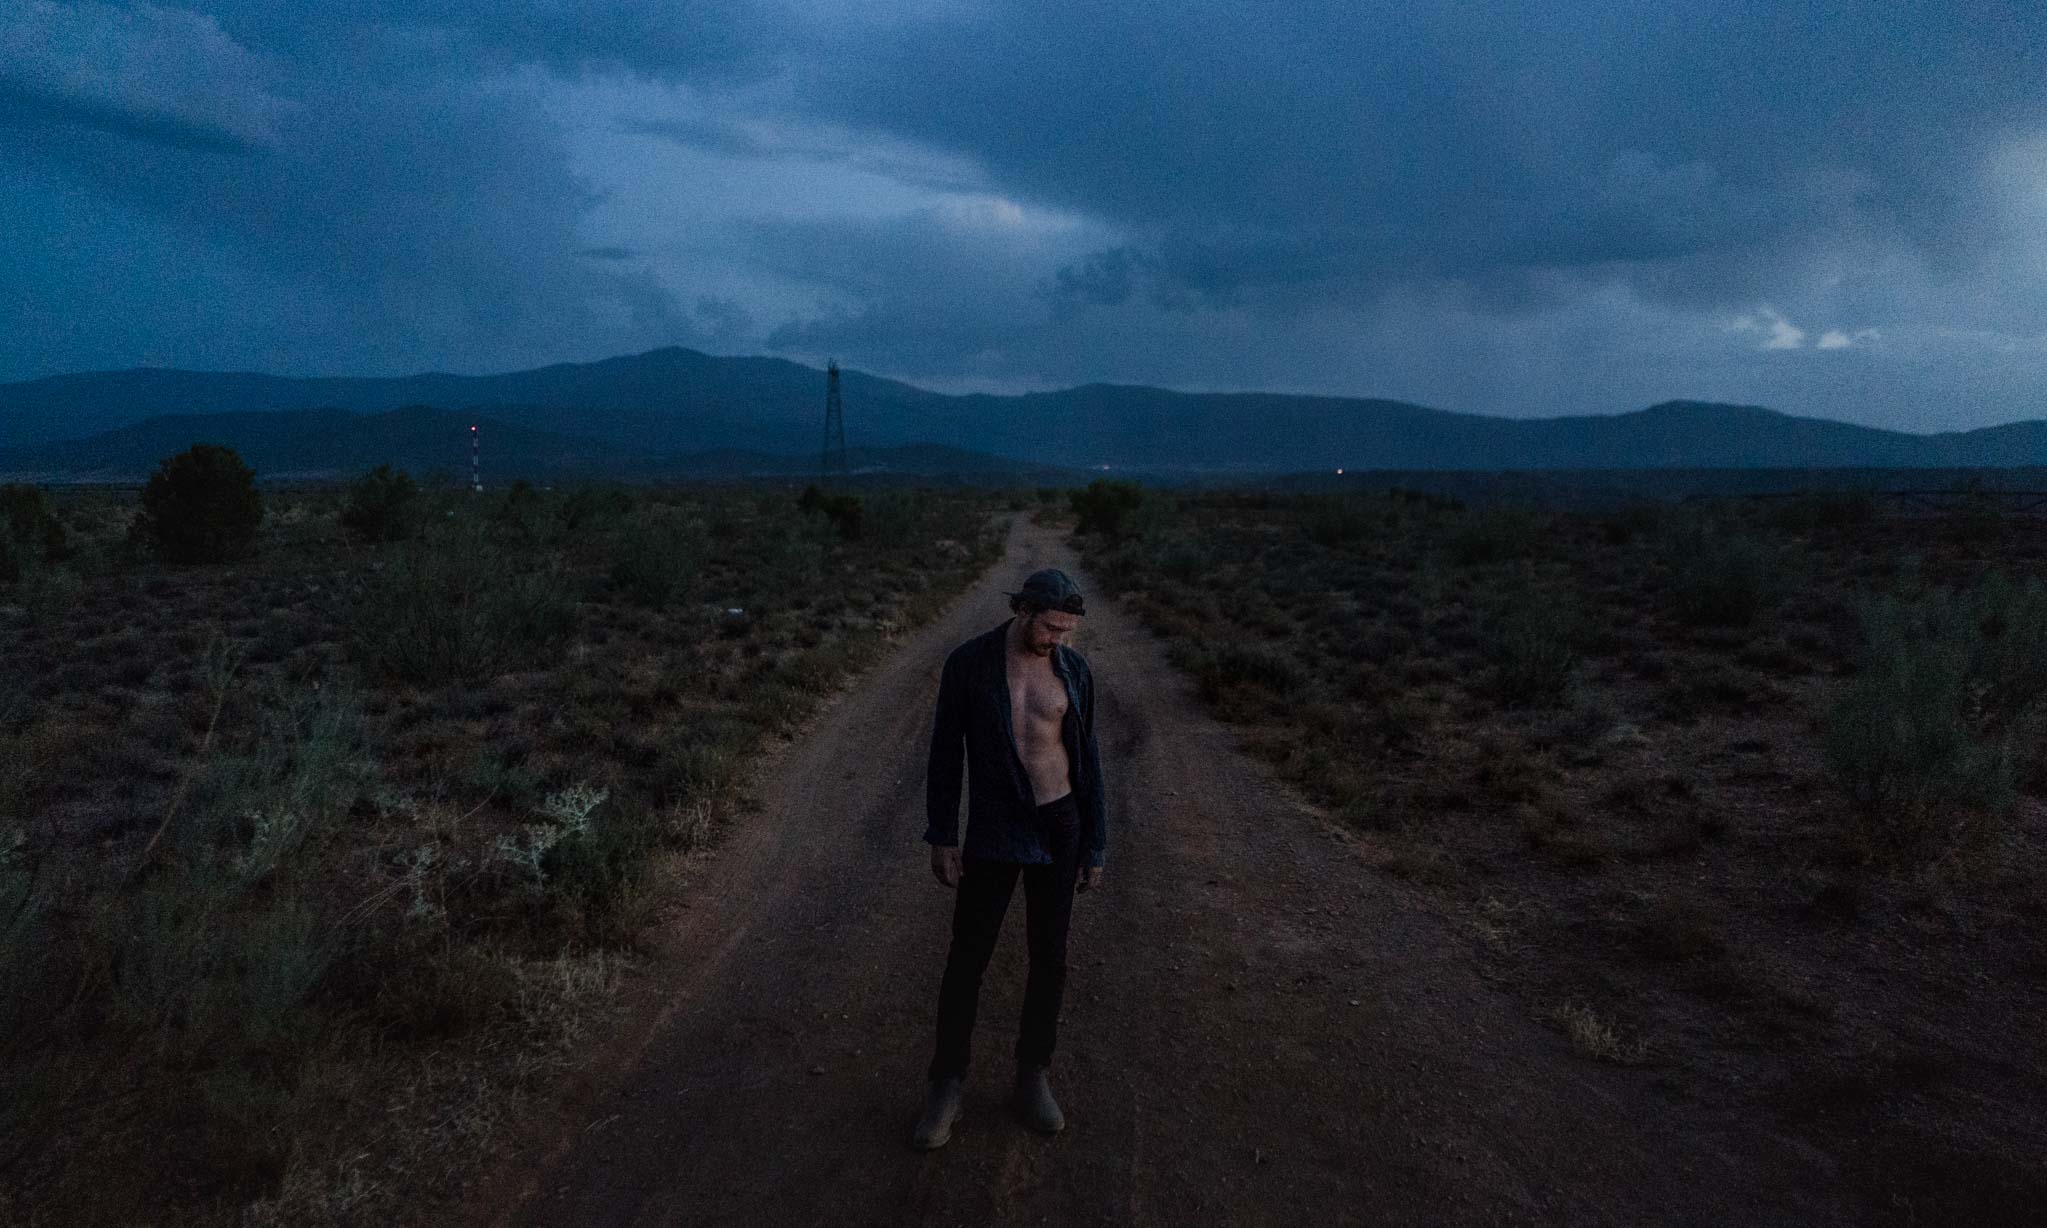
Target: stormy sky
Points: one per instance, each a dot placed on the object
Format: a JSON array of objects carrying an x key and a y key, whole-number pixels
[{"x": 1834, "y": 208}]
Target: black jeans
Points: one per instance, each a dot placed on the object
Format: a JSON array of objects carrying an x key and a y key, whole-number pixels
[{"x": 984, "y": 891}]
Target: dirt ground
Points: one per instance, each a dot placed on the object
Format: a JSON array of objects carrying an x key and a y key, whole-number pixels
[{"x": 1259, "y": 1027}]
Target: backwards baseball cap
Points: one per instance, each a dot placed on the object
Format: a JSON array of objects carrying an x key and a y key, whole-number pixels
[{"x": 1050, "y": 589}]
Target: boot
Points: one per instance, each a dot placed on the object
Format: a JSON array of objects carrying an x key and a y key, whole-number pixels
[
  {"x": 940, "y": 1110},
  {"x": 1034, "y": 1101}
]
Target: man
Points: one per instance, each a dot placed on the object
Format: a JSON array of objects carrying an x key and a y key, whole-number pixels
[{"x": 1022, "y": 705}]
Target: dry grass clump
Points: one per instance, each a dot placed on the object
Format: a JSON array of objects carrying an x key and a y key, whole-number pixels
[
  {"x": 1595, "y": 1037},
  {"x": 1942, "y": 721}
]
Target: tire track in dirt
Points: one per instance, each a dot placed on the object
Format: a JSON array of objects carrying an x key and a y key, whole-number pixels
[{"x": 1259, "y": 1028}]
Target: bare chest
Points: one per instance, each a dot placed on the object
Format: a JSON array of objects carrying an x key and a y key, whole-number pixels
[{"x": 1037, "y": 698}]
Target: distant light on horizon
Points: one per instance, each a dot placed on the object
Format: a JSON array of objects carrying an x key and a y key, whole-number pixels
[{"x": 1339, "y": 473}]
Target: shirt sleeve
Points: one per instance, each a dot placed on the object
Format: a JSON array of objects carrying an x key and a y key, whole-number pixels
[
  {"x": 1098, "y": 802},
  {"x": 948, "y": 749}
]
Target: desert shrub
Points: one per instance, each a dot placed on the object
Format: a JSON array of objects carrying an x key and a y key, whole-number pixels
[
  {"x": 1105, "y": 505},
  {"x": 2011, "y": 620},
  {"x": 1530, "y": 638},
  {"x": 1822, "y": 509},
  {"x": 844, "y": 511},
  {"x": 1636, "y": 518},
  {"x": 1975, "y": 517},
  {"x": 307, "y": 765},
  {"x": 1406, "y": 497},
  {"x": 1336, "y": 522},
  {"x": 1930, "y": 735},
  {"x": 515, "y": 515},
  {"x": 1719, "y": 576},
  {"x": 384, "y": 506},
  {"x": 580, "y": 851},
  {"x": 22, "y": 908},
  {"x": 30, "y": 535},
  {"x": 658, "y": 562},
  {"x": 1184, "y": 559},
  {"x": 458, "y": 606},
  {"x": 1494, "y": 534},
  {"x": 589, "y": 506},
  {"x": 200, "y": 506},
  {"x": 201, "y": 967},
  {"x": 890, "y": 518},
  {"x": 701, "y": 759},
  {"x": 789, "y": 553},
  {"x": 1223, "y": 667}
]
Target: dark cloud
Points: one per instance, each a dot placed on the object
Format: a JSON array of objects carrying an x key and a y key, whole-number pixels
[
  {"x": 146, "y": 73},
  {"x": 1554, "y": 202},
  {"x": 724, "y": 320},
  {"x": 1104, "y": 278},
  {"x": 402, "y": 212},
  {"x": 1330, "y": 146}
]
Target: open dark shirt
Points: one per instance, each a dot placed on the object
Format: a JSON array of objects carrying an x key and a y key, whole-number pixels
[{"x": 974, "y": 709}]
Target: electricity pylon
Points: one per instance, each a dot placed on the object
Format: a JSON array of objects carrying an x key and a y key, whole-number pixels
[{"x": 834, "y": 426}]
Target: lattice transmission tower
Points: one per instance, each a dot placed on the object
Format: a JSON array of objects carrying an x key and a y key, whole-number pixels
[{"x": 834, "y": 456}]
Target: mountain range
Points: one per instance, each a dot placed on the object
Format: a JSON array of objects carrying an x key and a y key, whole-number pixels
[{"x": 676, "y": 412}]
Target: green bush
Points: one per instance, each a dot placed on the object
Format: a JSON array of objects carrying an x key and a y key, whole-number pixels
[
  {"x": 29, "y": 533},
  {"x": 891, "y": 518},
  {"x": 1720, "y": 576},
  {"x": 2012, "y": 656},
  {"x": 1223, "y": 667},
  {"x": 1822, "y": 509},
  {"x": 204, "y": 969},
  {"x": 1494, "y": 534},
  {"x": 658, "y": 562},
  {"x": 790, "y": 551},
  {"x": 1105, "y": 505},
  {"x": 1930, "y": 736},
  {"x": 1336, "y": 522},
  {"x": 1630, "y": 520},
  {"x": 515, "y": 514},
  {"x": 200, "y": 506},
  {"x": 1184, "y": 559},
  {"x": 1976, "y": 517},
  {"x": 456, "y": 607},
  {"x": 1531, "y": 641},
  {"x": 384, "y": 506},
  {"x": 590, "y": 506},
  {"x": 844, "y": 511}
]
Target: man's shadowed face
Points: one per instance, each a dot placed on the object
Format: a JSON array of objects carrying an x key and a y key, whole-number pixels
[{"x": 1044, "y": 630}]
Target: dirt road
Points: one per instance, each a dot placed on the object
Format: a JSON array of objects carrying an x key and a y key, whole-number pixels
[{"x": 1259, "y": 1028}]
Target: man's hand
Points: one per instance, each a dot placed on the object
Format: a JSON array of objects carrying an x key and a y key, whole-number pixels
[
  {"x": 945, "y": 863},
  {"x": 1089, "y": 876}
]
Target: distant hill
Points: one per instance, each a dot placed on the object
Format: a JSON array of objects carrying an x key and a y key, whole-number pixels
[
  {"x": 879, "y": 464},
  {"x": 674, "y": 401},
  {"x": 665, "y": 401},
  {"x": 316, "y": 443},
  {"x": 335, "y": 443}
]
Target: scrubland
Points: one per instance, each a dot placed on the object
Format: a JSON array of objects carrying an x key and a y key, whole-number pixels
[
  {"x": 318, "y": 865},
  {"x": 1747, "y": 797}
]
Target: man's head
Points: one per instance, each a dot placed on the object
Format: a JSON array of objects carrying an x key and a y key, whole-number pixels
[{"x": 1048, "y": 607}]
